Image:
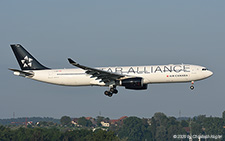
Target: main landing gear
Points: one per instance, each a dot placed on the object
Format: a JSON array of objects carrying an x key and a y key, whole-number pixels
[
  {"x": 192, "y": 85},
  {"x": 112, "y": 91}
]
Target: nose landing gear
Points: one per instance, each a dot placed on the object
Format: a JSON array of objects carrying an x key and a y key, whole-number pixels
[{"x": 192, "y": 85}]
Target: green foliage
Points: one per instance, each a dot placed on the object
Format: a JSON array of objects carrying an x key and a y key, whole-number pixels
[
  {"x": 134, "y": 129},
  {"x": 84, "y": 122},
  {"x": 5, "y": 134},
  {"x": 161, "y": 119},
  {"x": 184, "y": 123},
  {"x": 223, "y": 114},
  {"x": 65, "y": 120},
  {"x": 152, "y": 127},
  {"x": 159, "y": 127},
  {"x": 212, "y": 125},
  {"x": 36, "y": 134},
  {"x": 29, "y": 134},
  {"x": 100, "y": 135},
  {"x": 161, "y": 133},
  {"x": 196, "y": 128},
  {"x": 76, "y": 134},
  {"x": 23, "y": 119},
  {"x": 99, "y": 119}
]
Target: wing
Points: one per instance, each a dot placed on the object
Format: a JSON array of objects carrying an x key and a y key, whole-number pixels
[{"x": 102, "y": 75}]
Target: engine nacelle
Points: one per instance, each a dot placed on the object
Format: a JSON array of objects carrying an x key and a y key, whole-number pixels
[{"x": 134, "y": 83}]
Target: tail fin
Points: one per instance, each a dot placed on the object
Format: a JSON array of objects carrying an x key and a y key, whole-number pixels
[{"x": 25, "y": 59}]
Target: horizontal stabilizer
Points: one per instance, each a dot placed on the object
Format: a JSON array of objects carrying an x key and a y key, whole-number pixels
[{"x": 22, "y": 73}]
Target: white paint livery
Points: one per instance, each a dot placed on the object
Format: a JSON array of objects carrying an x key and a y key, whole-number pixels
[
  {"x": 78, "y": 77},
  {"x": 131, "y": 77}
]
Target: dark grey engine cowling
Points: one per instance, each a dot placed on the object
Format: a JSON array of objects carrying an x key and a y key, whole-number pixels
[{"x": 135, "y": 83}]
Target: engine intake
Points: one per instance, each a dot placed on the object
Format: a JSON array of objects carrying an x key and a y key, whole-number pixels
[{"x": 134, "y": 83}]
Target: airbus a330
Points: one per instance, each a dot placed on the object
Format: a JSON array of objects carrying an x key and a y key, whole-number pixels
[{"x": 130, "y": 77}]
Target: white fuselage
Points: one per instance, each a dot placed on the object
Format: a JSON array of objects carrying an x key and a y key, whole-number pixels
[{"x": 150, "y": 74}]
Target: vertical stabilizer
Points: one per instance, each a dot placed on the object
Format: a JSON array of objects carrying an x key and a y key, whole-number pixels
[{"x": 25, "y": 59}]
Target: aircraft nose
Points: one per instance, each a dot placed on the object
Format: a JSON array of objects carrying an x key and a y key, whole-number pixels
[{"x": 210, "y": 73}]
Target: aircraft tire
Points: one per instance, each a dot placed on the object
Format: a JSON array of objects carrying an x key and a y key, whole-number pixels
[
  {"x": 110, "y": 94},
  {"x": 115, "y": 91},
  {"x": 106, "y": 93},
  {"x": 192, "y": 87}
]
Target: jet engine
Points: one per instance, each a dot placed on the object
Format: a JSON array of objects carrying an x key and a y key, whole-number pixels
[{"x": 135, "y": 83}]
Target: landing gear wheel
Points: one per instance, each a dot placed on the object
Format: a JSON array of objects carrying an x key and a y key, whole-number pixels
[
  {"x": 108, "y": 93},
  {"x": 113, "y": 90},
  {"x": 192, "y": 87}
]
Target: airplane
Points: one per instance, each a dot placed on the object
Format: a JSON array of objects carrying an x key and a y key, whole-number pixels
[{"x": 130, "y": 77}]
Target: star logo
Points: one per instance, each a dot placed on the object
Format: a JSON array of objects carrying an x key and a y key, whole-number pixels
[{"x": 27, "y": 62}]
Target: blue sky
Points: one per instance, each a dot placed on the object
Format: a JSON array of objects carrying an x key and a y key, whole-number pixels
[{"x": 113, "y": 33}]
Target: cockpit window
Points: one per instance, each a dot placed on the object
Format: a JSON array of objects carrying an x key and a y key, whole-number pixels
[{"x": 204, "y": 69}]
